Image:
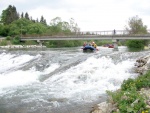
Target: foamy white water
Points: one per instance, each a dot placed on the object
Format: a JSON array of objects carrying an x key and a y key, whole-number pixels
[
  {"x": 10, "y": 77},
  {"x": 71, "y": 77},
  {"x": 9, "y": 61},
  {"x": 90, "y": 78}
]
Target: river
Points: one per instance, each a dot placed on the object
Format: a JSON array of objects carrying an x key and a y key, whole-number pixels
[{"x": 62, "y": 80}]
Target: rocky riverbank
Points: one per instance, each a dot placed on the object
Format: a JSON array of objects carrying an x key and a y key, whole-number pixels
[{"x": 142, "y": 66}]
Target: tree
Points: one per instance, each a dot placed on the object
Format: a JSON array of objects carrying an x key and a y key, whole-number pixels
[
  {"x": 4, "y": 29},
  {"x": 9, "y": 15},
  {"x": 36, "y": 28},
  {"x": 55, "y": 21},
  {"x": 136, "y": 26},
  {"x": 22, "y": 15},
  {"x": 74, "y": 26},
  {"x": 19, "y": 27},
  {"x": 61, "y": 27},
  {"x": 56, "y": 25},
  {"x": 37, "y": 20},
  {"x": 42, "y": 20},
  {"x": 26, "y": 16}
]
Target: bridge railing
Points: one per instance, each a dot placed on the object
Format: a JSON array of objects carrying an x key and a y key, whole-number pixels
[
  {"x": 93, "y": 33},
  {"x": 109, "y": 32}
]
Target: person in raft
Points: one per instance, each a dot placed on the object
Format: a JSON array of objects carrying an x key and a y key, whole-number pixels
[
  {"x": 94, "y": 45},
  {"x": 84, "y": 44}
]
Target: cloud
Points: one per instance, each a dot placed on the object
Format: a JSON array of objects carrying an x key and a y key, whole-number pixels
[{"x": 89, "y": 14}]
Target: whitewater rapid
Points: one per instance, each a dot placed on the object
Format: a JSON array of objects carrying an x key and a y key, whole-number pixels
[{"x": 71, "y": 76}]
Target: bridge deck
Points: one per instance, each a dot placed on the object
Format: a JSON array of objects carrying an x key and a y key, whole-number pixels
[{"x": 87, "y": 37}]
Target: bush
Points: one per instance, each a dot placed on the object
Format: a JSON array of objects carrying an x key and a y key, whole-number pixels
[
  {"x": 128, "y": 98},
  {"x": 8, "y": 38},
  {"x": 135, "y": 44},
  {"x": 3, "y": 43},
  {"x": 128, "y": 85},
  {"x": 16, "y": 40},
  {"x": 128, "y": 101}
]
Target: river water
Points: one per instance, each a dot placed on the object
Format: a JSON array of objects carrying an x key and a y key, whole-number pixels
[{"x": 63, "y": 80}]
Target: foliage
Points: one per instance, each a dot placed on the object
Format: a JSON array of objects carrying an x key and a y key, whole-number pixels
[
  {"x": 72, "y": 43},
  {"x": 4, "y": 29},
  {"x": 127, "y": 98},
  {"x": 16, "y": 40},
  {"x": 57, "y": 26},
  {"x": 138, "y": 44},
  {"x": 36, "y": 28},
  {"x": 136, "y": 27},
  {"x": 42, "y": 20},
  {"x": 9, "y": 15},
  {"x": 8, "y": 38},
  {"x": 128, "y": 101},
  {"x": 26, "y": 16},
  {"x": 63, "y": 43},
  {"x": 3, "y": 43}
]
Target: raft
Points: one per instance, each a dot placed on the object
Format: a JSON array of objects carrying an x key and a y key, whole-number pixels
[{"x": 89, "y": 48}]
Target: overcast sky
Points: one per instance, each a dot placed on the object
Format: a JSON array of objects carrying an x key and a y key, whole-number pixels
[{"x": 90, "y": 15}]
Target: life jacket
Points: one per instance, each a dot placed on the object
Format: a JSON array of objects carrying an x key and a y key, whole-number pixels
[{"x": 94, "y": 45}]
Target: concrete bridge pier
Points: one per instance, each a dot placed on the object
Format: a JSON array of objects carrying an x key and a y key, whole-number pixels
[
  {"x": 115, "y": 43},
  {"x": 40, "y": 42}
]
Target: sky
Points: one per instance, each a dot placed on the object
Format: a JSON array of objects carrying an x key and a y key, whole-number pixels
[{"x": 90, "y": 15}]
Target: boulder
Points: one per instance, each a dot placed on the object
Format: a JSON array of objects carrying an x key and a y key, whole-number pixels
[{"x": 103, "y": 107}]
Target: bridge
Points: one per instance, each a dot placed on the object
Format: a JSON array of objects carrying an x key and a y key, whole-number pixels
[
  {"x": 92, "y": 35},
  {"x": 114, "y": 35}
]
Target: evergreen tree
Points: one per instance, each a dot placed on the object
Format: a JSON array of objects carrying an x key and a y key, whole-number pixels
[
  {"x": 42, "y": 20},
  {"x": 22, "y": 15},
  {"x": 27, "y": 16},
  {"x": 9, "y": 15}
]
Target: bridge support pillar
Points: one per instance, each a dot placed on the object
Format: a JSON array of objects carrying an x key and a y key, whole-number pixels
[
  {"x": 115, "y": 43},
  {"x": 40, "y": 42}
]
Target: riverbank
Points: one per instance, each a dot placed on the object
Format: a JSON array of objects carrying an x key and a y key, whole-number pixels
[{"x": 134, "y": 94}]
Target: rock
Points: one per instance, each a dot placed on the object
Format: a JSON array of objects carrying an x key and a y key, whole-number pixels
[
  {"x": 148, "y": 102},
  {"x": 103, "y": 107},
  {"x": 148, "y": 107},
  {"x": 135, "y": 102},
  {"x": 142, "y": 65}
]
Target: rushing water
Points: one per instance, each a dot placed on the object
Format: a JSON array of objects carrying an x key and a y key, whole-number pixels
[{"x": 61, "y": 80}]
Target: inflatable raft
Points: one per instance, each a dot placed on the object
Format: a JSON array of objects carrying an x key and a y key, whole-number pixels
[{"x": 89, "y": 48}]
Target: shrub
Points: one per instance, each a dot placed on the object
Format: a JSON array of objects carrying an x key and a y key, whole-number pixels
[
  {"x": 135, "y": 44},
  {"x": 3, "y": 43},
  {"x": 128, "y": 101},
  {"x": 8, "y": 38},
  {"x": 128, "y": 85},
  {"x": 128, "y": 98},
  {"x": 16, "y": 40}
]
